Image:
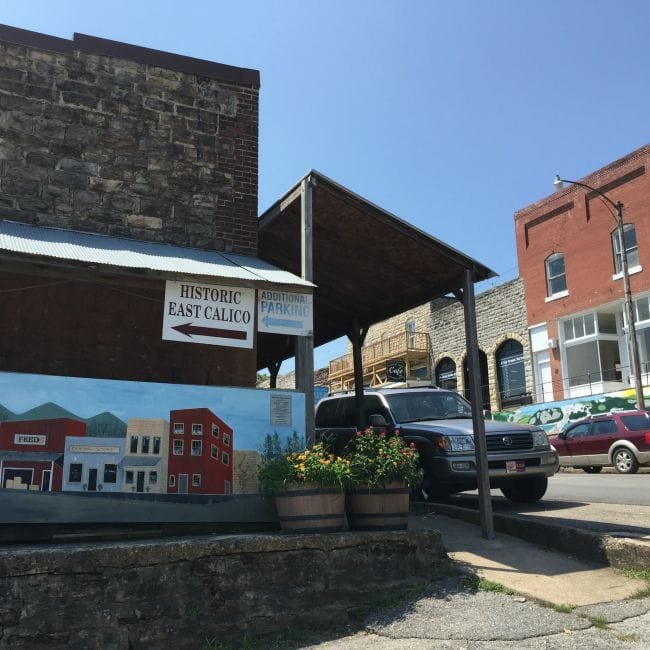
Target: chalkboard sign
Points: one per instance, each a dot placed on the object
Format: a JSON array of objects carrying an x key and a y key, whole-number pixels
[{"x": 396, "y": 370}]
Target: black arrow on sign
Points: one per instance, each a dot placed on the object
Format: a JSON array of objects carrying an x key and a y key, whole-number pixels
[{"x": 188, "y": 329}]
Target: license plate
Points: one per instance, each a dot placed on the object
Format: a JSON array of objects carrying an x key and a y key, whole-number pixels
[{"x": 515, "y": 466}]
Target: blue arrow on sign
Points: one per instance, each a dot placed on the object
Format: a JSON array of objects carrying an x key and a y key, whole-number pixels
[{"x": 281, "y": 322}]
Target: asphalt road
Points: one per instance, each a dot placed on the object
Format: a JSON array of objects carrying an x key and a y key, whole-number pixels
[{"x": 579, "y": 487}]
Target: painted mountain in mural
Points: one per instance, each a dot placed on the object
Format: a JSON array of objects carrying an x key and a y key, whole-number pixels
[
  {"x": 47, "y": 411},
  {"x": 106, "y": 424},
  {"x": 5, "y": 413},
  {"x": 102, "y": 424}
]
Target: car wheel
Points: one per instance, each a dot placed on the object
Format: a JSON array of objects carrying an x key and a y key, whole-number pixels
[
  {"x": 526, "y": 490},
  {"x": 624, "y": 461},
  {"x": 593, "y": 469}
]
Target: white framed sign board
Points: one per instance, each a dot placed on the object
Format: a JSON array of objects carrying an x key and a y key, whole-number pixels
[{"x": 211, "y": 314}]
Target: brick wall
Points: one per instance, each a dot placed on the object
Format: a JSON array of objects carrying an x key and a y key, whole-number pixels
[
  {"x": 580, "y": 227},
  {"x": 124, "y": 147},
  {"x": 75, "y": 327}
]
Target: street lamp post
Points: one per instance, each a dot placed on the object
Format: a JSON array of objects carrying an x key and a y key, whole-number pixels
[{"x": 629, "y": 308}]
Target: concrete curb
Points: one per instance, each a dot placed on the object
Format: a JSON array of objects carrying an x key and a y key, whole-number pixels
[{"x": 604, "y": 550}]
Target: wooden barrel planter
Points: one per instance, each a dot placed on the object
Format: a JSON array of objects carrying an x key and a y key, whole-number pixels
[
  {"x": 310, "y": 508},
  {"x": 383, "y": 507}
]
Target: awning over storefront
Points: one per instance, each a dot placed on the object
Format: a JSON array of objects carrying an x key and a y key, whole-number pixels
[
  {"x": 138, "y": 461},
  {"x": 56, "y": 246},
  {"x": 32, "y": 456}
]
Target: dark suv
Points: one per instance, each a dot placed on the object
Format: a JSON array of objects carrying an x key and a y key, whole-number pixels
[
  {"x": 439, "y": 422},
  {"x": 618, "y": 439}
]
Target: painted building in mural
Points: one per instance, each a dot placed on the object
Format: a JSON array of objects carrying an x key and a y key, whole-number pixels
[
  {"x": 31, "y": 452},
  {"x": 429, "y": 342},
  {"x": 570, "y": 261},
  {"x": 200, "y": 459},
  {"x": 92, "y": 464},
  {"x": 146, "y": 456}
]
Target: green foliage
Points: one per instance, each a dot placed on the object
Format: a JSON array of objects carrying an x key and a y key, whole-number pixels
[
  {"x": 315, "y": 465},
  {"x": 377, "y": 459},
  {"x": 293, "y": 443},
  {"x": 489, "y": 585},
  {"x": 598, "y": 621},
  {"x": 271, "y": 447}
]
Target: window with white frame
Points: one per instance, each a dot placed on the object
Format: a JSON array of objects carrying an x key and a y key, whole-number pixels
[
  {"x": 128, "y": 477},
  {"x": 178, "y": 447},
  {"x": 227, "y": 488},
  {"x": 197, "y": 447},
  {"x": 591, "y": 349},
  {"x": 410, "y": 333},
  {"x": 153, "y": 478},
  {"x": 226, "y": 439},
  {"x": 225, "y": 458},
  {"x": 172, "y": 480},
  {"x": 215, "y": 430},
  {"x": 179, "y": 429},
  {"x": 214, "y": 452},
  {"x": 555, "y": 274},
  {"x": 197, "y": 429},
  {"x": 631, "y": 248},
  {"x": 196, "y": 480}
]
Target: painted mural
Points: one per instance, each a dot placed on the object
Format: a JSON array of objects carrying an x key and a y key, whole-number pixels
[
  {"x": 68, "y": 434},
  {"x": 553, "y": 417}
]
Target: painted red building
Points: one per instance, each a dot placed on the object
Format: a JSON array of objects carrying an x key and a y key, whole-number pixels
[
  {"x": 31, "y": 452},
  {"x": 200, "y": 453},
  {"x": 570, "y": 261}
]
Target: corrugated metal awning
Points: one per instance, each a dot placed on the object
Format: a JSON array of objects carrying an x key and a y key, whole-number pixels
[
  {"x": 175, "y": 261},
  {"x": 138, "y": 461},
  {"x": 31, "y": 456}
]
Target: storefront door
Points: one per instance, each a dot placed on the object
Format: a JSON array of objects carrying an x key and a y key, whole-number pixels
[
  {"x": 45, "y": 481},
  {"x": 140, "y": 484},
  {"x": 92, "y": 480}
]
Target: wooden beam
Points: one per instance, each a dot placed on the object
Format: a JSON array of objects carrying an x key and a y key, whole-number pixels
[{"x": 478, "y": 422}]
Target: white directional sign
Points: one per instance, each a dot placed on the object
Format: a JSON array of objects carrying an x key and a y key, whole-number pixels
[
  {"x": 280, "y": 312},
  {"x": 209, "y": 314}
]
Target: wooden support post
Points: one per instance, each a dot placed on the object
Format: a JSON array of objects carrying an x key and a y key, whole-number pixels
[
  {"x": 305, "y": 344},
  {"x": 357, "y": 337},
  {"x": 478, "y": 422},
  {"x": 274, "y": 369}
]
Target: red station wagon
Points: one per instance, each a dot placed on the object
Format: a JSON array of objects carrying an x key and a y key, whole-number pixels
[{"x": 618, "y": 439}]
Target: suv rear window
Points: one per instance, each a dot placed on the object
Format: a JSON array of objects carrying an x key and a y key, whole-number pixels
[{"x": 636, "y": 422}]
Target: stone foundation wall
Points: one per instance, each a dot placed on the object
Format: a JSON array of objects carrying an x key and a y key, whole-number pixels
[{"x": 182, "y": 593}]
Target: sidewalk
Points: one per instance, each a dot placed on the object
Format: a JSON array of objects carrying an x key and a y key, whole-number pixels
[
  {"x": 537, "y": 573},
  {"x": 452, "y": 616}
]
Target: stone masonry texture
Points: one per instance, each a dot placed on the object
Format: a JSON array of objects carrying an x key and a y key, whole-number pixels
[
  {"x": 500, "y": 315},
  {"x": 184, "y": 593},
  {"x": 108, "y": 145},
  {"x": 120, "y": 146}
]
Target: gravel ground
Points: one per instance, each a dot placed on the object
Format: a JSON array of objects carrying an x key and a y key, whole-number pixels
[{"x": 453, "y": 616}]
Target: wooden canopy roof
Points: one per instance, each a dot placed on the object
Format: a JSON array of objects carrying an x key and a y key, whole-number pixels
[{"x": 368, "y": 264}]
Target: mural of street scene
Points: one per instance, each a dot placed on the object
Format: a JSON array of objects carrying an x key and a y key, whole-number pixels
[
  {"x": 553, "y": 417},
  {"x": 67, "y": 434}
]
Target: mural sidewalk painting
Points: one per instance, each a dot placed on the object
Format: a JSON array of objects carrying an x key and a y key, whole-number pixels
[{"x": 553, "y": 417}]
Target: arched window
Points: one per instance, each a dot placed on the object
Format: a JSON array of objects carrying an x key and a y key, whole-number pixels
[
  {"x": 446, "y": 374},
  {"x": 631, "y": 248},
  {"x": 555, "y": 274},
  {"x": 511, "y": 373}
]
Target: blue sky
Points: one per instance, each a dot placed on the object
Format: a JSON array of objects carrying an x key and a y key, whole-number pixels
[
  {"x": 245, "y": 410},
  {"x": 450, "y": 114}
]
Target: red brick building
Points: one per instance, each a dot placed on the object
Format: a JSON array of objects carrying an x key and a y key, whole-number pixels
[
  {"x": 570, "y": 262},
  {"x": 31, "y": 452},
  {"x": 200, "y": 453}
]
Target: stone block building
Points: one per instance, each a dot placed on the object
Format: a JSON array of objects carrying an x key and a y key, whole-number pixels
[
  {"x": 122, "y": 167},
  {"x": 438, "y": 329}
]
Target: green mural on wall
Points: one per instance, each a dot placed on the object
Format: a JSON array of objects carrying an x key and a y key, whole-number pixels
[{"x": 553, "y": 417}]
